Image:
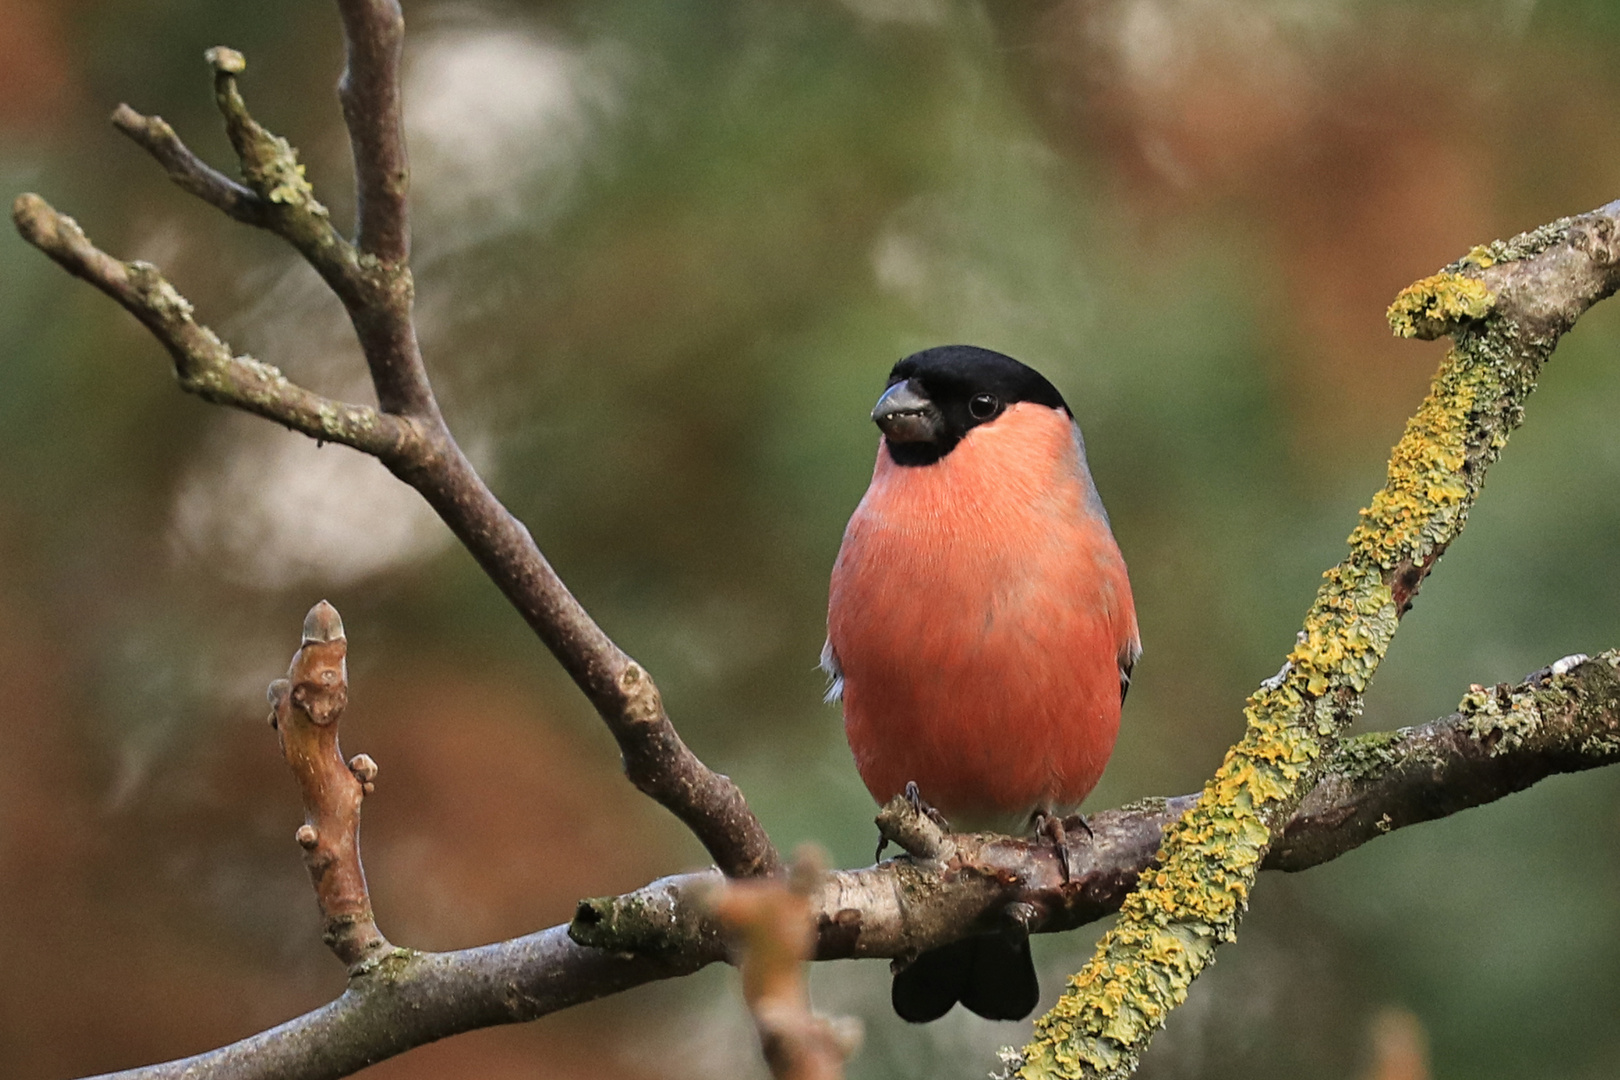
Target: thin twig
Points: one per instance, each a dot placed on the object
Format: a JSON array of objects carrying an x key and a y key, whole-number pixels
[
  {"x": 373, "y": 36},
  {"x": 154, "y": 135},
  {"x": 203, "y": 364},
  {"x": 773, "y": 934},
  {"x": 1561, "y": 720}
]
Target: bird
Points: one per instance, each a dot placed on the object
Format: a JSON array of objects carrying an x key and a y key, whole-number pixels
[{"x": 981, "y": 631}]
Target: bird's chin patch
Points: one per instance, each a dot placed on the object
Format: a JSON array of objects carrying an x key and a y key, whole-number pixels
[
  {"x": 919, "y": 426},
  {"x": 918, "y": 453}
]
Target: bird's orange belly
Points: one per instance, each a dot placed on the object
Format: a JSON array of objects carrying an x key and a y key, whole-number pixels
[{"x": 998, "y": 696}]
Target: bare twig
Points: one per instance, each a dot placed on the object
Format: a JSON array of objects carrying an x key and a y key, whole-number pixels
[
  {"x": 1504, "y": 740},
  {"x": 1505, "y": 306},
  {"x": 304, "y": 709},
  {"x": 770, "y": 924},
  {"x": 191, "y": 173},
  {"x": 203, "y": 364},
  {"x": 1400, "y": 1047}
]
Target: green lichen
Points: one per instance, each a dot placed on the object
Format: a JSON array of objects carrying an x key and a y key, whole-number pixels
[
  {"x": 1170, "y": 927},
  {"x": 654, "y": 920},
  {"x": 1438, "y": 305},
  {"x": 1500, "y": 717},
  {"x": 389, "y": 965},
  {"x": 1151, "y": 804},
  {"x": 1367, "y": 757},
  {"x": 1524, "y": 246},
  {"x": 1595, "y": 706}
]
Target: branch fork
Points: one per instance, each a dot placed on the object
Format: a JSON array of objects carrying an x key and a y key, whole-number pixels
[{"x": 407, "y": 432}]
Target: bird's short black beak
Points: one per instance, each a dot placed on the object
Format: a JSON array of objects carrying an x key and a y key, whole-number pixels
[{"x": 907, "y": 415}]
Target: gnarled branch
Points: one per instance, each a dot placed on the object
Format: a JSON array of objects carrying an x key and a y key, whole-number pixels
[{"x": 203, "y": 364}]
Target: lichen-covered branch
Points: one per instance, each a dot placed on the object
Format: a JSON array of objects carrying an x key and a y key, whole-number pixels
[
  {"x": 407, "y": 432},
  {"x": 1504, "y": 739},
  {"x": 773, "y": 933},
  {"x": 203, "y": 364},
  {"x": 304, "y": 709},
  {"x": 1505, "y": 306}
]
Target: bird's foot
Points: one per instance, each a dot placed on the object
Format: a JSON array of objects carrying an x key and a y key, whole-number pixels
[
  {"x": 913, "y": 835},
  {"x": 914, "y": 797},
  {"x": 1056, "y": 829}
]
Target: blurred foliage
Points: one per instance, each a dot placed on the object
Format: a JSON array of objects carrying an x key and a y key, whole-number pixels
[{"x": 665, "y": 254}]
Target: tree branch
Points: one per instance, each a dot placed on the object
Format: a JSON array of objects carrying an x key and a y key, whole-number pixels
[
  {"x": 773, "y": 934},
  {"x": 374, "y": 36},
  {"x": 203, "y": 364},
  {"x": 1505, "y": 306},
  {"x": 1502, "y": 740},
  {"x": 154, "y": 135},
  {"x": 408, "y": 434}
]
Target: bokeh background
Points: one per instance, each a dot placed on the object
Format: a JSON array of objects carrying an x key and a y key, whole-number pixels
[{"x": 665, "y": 254}]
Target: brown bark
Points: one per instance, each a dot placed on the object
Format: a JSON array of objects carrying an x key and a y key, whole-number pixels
[{"x": 407, "y": 433}]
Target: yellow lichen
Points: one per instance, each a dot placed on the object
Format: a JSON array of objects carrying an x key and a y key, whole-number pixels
[
  {"x": 1437, "y": 305},
  {"x": 1170, "y": 926}
]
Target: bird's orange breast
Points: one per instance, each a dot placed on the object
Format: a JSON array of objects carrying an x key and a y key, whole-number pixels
[{"x": 979, "y": 612}]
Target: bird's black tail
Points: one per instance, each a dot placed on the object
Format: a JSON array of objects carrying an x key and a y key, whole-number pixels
[{"x": 989, "y": 974}]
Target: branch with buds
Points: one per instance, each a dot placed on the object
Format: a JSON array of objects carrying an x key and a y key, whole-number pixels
[
  {"x": 407, "y": 431},
  {"x": 304, "y": 709}
]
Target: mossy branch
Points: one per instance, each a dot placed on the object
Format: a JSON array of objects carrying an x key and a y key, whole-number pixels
[
  {"x": 1565, "y": 718},
  {"x": 1505, "y": 306}
]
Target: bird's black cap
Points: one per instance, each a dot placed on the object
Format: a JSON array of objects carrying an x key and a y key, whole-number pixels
[{"x": 937, "y": 396}]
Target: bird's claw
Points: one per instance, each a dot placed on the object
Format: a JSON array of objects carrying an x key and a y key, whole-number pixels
[
  {"x": 1050, "y": 828},
  {"x": 914, "y": 797},
  {"x": 1056, "y": 830}
]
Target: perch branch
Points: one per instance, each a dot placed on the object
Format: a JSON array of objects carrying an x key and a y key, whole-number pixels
[
  {"x": 304, "y": 709},
  {"x": 1505, "y": 306},
  {"x": 1502, "y": 740}
]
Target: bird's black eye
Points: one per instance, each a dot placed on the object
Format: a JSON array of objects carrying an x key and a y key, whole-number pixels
[{"x": 983, "y": 406}]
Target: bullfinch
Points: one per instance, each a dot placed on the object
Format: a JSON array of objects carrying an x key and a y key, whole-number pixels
[{"x": 980, "y": 629}]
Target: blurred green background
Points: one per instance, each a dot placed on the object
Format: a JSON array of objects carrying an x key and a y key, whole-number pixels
[{"x": 665, "y": 253}]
